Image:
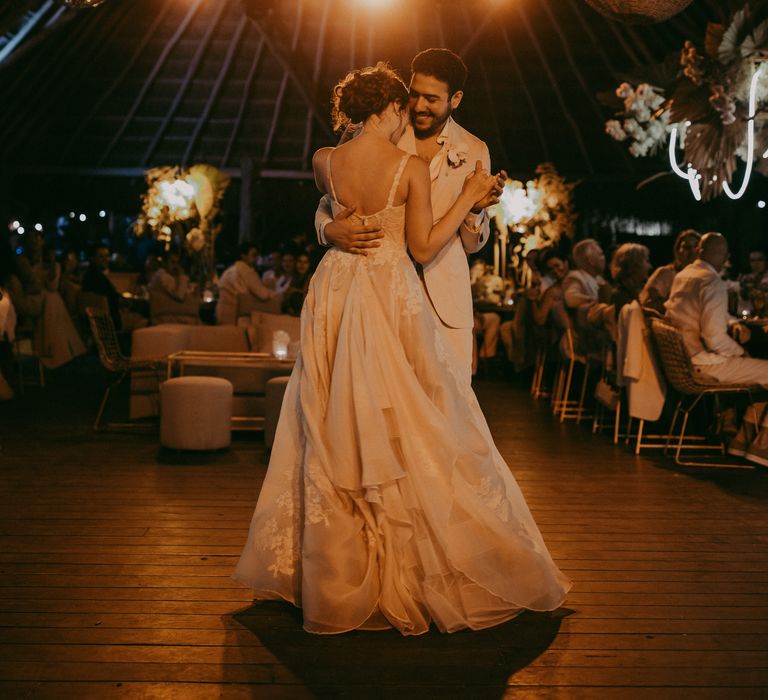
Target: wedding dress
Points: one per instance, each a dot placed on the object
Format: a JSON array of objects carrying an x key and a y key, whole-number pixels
[{"x": 386, "y": 503}]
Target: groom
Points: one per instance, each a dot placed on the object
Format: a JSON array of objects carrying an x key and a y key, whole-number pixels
[{"x": 437, "y": 82}]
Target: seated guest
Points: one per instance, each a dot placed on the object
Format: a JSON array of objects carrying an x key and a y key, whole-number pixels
[
  {"x": 302, "y": 274},
  {"x": 556, "y": 265},
  {"x": 659, "y": 284},
  {"x": 275, "y": 270},
  {"x": 71, "y": 280},
  {"x": 7, "y": 319},
  {"x": 698, "y": 306},
  {"x": 630, "y": 265},
  {"x": 140, "y": 287},
  {"x": 96, "y": 281},
  {"x": 288, "y": 270},
  {"x": 585, "y": 294},
  {"x": 170, "y": 279},
  {"x": 26, "y": 292},
  {"x": 756, "y": 280},
  {"x": 241, "y": 278},
  {"x": 36, "y": 298},
  {"x": 172, "y": 299}
]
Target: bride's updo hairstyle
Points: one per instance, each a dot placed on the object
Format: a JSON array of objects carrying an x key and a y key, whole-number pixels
[{"x": 364, "y": 92}]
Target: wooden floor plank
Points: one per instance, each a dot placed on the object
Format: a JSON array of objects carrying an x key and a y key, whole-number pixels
[{"x": 115, "y": 565}]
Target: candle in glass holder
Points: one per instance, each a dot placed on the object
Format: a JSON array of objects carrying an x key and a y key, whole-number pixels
[{"x": 280, "y": 340}]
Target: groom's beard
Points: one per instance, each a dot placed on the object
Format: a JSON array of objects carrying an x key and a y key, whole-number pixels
[{"x": 428, "y": 123}]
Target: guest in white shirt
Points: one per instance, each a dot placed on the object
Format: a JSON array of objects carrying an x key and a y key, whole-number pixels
[
  {"x": 659, "y": 284},
  {"x": 584, "y": 292},
  {"x": 240, "y": 278},
  {"x": 171, "y": 279},
  {"x": 698, "y": 306}
]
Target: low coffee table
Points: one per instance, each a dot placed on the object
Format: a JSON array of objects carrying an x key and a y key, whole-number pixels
[{"x": 177, "y": 362}]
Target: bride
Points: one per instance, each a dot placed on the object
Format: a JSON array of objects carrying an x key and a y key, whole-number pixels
[{"x": 386, "y": 503}]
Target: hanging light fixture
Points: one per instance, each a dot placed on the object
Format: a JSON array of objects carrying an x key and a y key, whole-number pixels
[
  {"x": 81, "y": 4},
  {"x": 636, "y": 11}
]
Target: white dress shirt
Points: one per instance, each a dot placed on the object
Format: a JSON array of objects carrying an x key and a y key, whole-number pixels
[
  {"x": 240, "y": 278},
  {"x": 698, "y": 306}
]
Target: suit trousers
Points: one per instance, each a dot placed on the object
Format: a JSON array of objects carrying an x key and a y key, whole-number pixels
[
  {"x": 738, "y": 370},
  {"x": 458, "y": 344}
]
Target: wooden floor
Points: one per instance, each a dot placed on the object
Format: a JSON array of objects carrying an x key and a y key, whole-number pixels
[{"x": 115, "y": 561}]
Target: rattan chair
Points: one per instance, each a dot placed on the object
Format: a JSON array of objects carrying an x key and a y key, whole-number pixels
[
  {"x": 682, "y": 377},
  {"x": 113, "y": 360}
]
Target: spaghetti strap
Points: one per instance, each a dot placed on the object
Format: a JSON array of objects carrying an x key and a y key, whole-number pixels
[
  {"x": 396, "y": 181},
  {"x": 330, "y": 177}
]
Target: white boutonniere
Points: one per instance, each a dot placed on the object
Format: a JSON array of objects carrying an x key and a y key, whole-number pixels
[{"x": 457, "y": 155}]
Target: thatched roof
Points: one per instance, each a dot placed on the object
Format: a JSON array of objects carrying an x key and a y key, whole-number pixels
[{"x": 138, "y": 83}]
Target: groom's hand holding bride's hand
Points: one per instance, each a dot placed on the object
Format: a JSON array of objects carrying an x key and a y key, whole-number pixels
[
  {"x": 350, "y": 237},
  {"x": 492, "y": 197},
  {"x": 482, "y": 185}
]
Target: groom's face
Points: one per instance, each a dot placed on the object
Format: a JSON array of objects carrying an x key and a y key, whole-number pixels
[{"x": 430, "y": 104}]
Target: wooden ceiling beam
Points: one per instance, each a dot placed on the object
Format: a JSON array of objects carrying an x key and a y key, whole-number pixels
[
  {"x": 192, "y": 68},
  {"x": 292, "y": 64},
  {"x": 213, "y": 96},
  {"x": 278, "y": 108},
  {"x": 247, "y": 87},
  {"x": 159, "y": 63},
  {"x": 319, "y": 55},
  {"x": 127, "y": 67},
  {"x": 45, "y": 96}
]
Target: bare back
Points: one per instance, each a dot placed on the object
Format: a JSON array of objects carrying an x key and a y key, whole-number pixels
[{"x": 360, "y": 174}]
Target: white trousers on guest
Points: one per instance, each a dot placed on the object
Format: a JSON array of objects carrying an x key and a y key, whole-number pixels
[{"x": 738, "y": 370}]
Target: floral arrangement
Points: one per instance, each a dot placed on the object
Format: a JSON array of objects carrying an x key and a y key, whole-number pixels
[
  {"x": 642, "y": 122},
  {"x": 488, "y": 287},
  {"x": 532, "y": 215},
  {"x": 180, "y": 205},
  {"x": 541, "y": 208},
  {"x": 714, "y": 97}
]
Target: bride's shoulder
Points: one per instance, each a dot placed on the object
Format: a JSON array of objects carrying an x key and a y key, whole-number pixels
[
  {"x": 320, "y": 158},
  {"x": 415, "y": 165}
]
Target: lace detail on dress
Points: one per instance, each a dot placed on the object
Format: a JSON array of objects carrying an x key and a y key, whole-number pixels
[
  {"x": 494, "y": 495},
  {"x": 315, "y": 483},
  {"x": 280, "y": 542},
  {"x": 449, "y": 364}
]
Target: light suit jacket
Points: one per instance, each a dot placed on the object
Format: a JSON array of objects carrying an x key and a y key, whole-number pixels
[
  {"x": 698, "y": 306},
  {"x": 446, "y": 277}
]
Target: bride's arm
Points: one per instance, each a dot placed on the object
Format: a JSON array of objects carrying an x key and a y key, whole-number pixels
[
  {"x": 319, "y": 167},
  {"x": 426, "y": 240}
]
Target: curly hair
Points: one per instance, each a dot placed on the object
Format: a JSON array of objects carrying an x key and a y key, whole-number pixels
[
  {"x": 627, "y": 258},
  {"x": 364, "y": 92}
]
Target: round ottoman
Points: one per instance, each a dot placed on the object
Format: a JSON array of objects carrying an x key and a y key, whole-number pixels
[
  {"x": 196, "y": 413},
  {"x": 273, "y": 402}
]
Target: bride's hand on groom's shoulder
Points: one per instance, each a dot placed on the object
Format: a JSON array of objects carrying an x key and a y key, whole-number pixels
[{"x": 350, "y": 236}]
